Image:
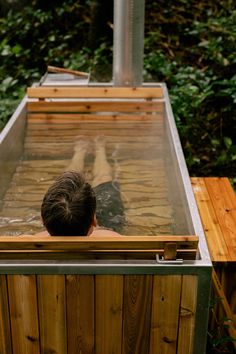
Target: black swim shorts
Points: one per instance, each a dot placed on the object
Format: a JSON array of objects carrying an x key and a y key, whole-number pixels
[{"x": 110, "y": 209}]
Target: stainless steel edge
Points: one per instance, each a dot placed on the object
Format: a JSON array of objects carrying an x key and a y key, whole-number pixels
[{"x": 186, "y": 181}]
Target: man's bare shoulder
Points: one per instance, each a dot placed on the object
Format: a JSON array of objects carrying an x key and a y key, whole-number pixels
[
  {"x": 103, "y": 232},
  {"x": 42, "y": 234},
  {"x": 95, "y": 233}
]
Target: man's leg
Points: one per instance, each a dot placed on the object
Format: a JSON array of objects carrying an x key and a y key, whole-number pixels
[
  {"x": 110, "y": 209},
  {"x": 77, "y": 162},
  {"x": 102, "y": 170}
]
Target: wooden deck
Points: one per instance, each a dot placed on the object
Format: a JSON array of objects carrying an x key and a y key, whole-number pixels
[{"x": 217, "y": 206}]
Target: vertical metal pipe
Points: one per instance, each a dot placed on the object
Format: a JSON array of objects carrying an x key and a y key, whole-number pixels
[{"x": 128, "y": 42}]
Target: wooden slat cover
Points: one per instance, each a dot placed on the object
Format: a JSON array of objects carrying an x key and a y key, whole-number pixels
[
  {"x": 217, "y": 206},
  {"x": 93, "y": 106},
  {"x": 93, "y": 92}
]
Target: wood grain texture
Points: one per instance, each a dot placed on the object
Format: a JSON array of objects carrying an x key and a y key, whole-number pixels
[
  {"x": 5, "y": 329},
  {"x": 109, "y": 310},
  {"x": 137, "y": 314},
  {"x": 187, "y": 314},
  {"x": 225, "y": 209},
  {"x": 24, "y": 314},
  {"x": 218, "y": 247},
  {"x": 93, "y": 106},
  {"x": 66, "y": 118},
  {"x": 80, "y": 313},
  {"x": 95, "y": 92},
  {"x": 52, "y": 313},
  {"x": 165, "y": 314}
]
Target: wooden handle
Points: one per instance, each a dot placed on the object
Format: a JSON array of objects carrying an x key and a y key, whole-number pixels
[{"x": 55, "y": 69}]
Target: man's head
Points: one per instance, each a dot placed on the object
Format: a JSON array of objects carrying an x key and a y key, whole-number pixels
[{"x": 68, "y": 207}]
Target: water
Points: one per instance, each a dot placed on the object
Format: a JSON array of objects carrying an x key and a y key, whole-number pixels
[{"x": 136, "y": 153}]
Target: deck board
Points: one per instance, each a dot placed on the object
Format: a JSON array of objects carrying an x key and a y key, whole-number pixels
[{"x": 217, "y": 206}]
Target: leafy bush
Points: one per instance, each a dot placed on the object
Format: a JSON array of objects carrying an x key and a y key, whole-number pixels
[
  {"x": 190, "y": 45},
  {"x": 197, "y": 61}
]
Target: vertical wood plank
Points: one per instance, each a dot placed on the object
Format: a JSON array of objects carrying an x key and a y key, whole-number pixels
[
  {"x": 137, "y": 314},
  {"x": 80, "y": 313},
  {"x": 109, "y": 305},
  {"x": 52, "y": 313},
  {"x": 187, "y": 314},
  {"x": 24, "y": 313},
  {"x": 5, "y": 330},
  {"x": 165, "y": 314}
]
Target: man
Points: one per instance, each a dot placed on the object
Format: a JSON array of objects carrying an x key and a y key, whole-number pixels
[{"x": 72, "y": 207}]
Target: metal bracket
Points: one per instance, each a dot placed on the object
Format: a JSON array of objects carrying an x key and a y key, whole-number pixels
[{"x": 173, "y": 261}]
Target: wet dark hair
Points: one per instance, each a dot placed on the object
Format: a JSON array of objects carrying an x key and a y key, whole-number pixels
[{"x": 69, "y": 206}]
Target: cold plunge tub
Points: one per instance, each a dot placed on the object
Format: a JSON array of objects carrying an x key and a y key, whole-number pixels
[{"x": 75, "y": 295}]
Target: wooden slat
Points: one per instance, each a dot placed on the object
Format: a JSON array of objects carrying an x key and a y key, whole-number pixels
[
  {"x": 80, "y": 313},
  {"x": 24, "y": 314},
  {"x": 165, "y": 313},
  {"x": 215, "y": 239},
  {"x": 187, "y": 314},
  {"x": 137, "y": 314},
  {"x": 52, "y": 118},
  {"x": 95, "y": 92},
  {"x": 30, "y": 242},
  {"x": 225, "y": 210},
  {"x": 67, "y": 128},
  {"x": 109, "y": 310},
  {"x": 5, "y": 329},
  {"x": 93, "y": 106},
  {"x": 52, "y": 313}
]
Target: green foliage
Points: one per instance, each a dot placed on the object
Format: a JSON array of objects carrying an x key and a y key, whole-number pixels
[
  {"x": 197, "y": 61},
  {"x": 190, "y": 45},
  {"x": 219, "y": 340}
]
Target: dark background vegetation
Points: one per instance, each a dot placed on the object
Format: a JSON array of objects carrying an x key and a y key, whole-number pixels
[{"x": 189, "y": 44}]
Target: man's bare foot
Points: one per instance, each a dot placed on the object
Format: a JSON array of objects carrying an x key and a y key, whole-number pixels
[
  {"x": 100, "y": 142},
  {"x": 81, "y": 144}
]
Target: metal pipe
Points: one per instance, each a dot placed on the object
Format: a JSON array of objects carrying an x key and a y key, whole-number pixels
[{"x": 128, "y": 42}]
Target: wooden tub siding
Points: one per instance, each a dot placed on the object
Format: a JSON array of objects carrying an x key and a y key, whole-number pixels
[
  {"x": 108, "y": 318},
  {"x": 119, "y": 314},
  {"x": 80, "y": 313},
  {"x": 187, "y": 309},
  {"x": 165, "y": 314},
  {"x": 5, "y": 322},
  {"x": 23, "y": 314}
]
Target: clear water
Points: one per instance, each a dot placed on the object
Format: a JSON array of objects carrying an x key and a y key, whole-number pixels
[{"x": 136, "y": 152}]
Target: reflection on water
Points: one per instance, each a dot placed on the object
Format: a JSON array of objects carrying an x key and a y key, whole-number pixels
[{"x": 135, "y": 153}]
